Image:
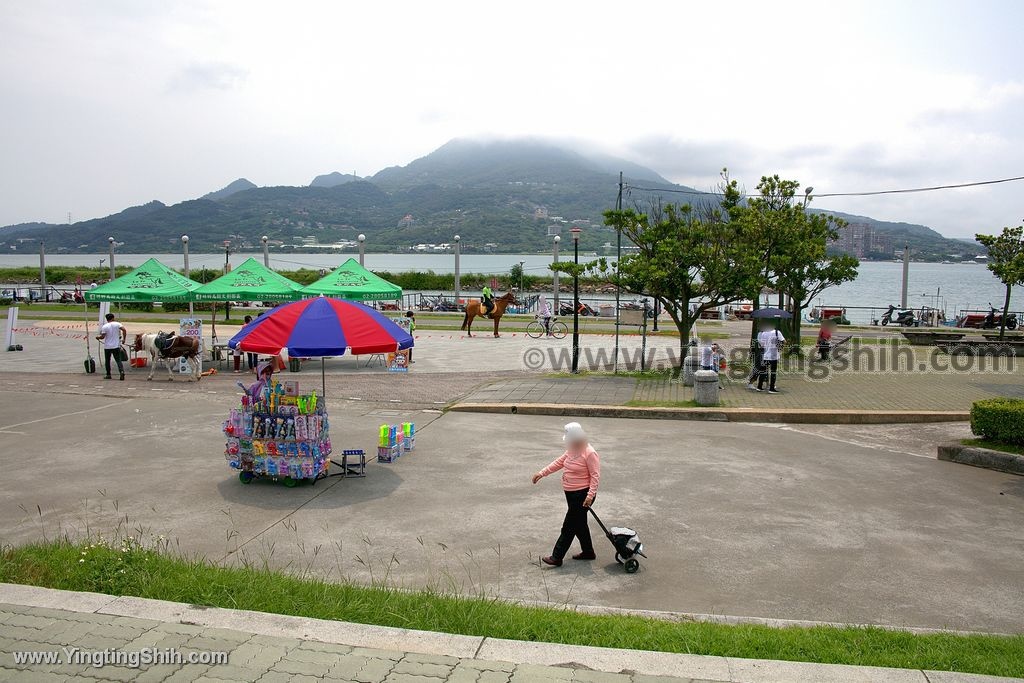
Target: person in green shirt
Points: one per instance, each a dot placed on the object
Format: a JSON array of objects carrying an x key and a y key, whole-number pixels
[{"x": 488, "y": 300}]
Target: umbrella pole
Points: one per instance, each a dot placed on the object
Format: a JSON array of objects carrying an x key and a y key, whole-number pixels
[
  {"x": 323, "y": 378},
  {"x": 88, "y": 344}
]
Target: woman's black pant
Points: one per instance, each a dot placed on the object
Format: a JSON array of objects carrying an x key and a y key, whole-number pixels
[
  {"x": 769, "y": 370},
  {"x": 574, "y": 526}
]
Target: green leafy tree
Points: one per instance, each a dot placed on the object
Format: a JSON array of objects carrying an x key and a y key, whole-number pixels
[
  {"x": 1006, "y": 261},
  {"x": 791, "y": 245},
  {"x": 689, "y": 260},
  {"x": 806, "y": 270}
]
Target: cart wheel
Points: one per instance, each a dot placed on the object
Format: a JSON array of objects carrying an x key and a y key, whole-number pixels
[
  {"x": 289, "y": 482},
  {"x": 618, "y": 558},
  {"x": 632, "y": 565},
  {"x": 245, "y": 477}
]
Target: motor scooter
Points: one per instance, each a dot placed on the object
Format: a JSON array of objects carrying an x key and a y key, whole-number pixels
[
  {"x": 994, "y": 320},
  {"x": 904, "y": 318},
  {"x": 566, "y": 309}
]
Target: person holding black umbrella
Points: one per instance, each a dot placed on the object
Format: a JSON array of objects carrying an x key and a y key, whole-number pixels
[
  {"x": 769, "y": 348},
  {"x": 770, "y": 340}
]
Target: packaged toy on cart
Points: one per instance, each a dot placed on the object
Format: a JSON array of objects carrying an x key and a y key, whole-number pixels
[{"x": 394, "y": 440}]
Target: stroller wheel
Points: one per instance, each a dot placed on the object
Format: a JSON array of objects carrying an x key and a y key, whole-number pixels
[
  {"x": 632, "y": 565},
  {"x": 618, "y": 558}
]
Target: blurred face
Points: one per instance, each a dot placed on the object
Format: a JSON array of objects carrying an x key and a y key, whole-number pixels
[{"x": 577, "y": 444}]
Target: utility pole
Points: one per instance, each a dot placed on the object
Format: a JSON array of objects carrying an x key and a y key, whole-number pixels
[
  {"x": 618, "y": 286},
  {"x": 576, "y": 300},
  {"x": 457, "y": 240},
  {"x": 906, "y": 276},
  {"x": 42, "y": 269}
]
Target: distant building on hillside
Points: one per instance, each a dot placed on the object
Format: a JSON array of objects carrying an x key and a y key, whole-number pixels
[
  {"x": 554, "y": 229},
  {"x": 407, "y": 221},
  {"x": 540, "y": 213},
  {"x": 861, "y": 240}
]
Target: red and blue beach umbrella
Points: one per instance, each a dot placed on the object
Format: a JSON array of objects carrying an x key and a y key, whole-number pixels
[{"x": 323, "y": 326}]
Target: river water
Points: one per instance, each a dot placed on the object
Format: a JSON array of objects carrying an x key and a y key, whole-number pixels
[{"x": 952, "y": 287}]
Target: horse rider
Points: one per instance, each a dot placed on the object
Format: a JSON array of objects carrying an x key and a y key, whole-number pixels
[{"x": 488, "y": 298}]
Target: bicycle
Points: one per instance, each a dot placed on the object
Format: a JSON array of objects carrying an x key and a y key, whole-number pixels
[{"x": 556, "y": 329}]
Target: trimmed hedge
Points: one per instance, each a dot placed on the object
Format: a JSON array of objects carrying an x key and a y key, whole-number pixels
[{"x": 999, "y": 419}]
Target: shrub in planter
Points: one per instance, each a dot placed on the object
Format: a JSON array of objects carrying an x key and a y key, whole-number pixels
[{"x": 999, "y": 419}]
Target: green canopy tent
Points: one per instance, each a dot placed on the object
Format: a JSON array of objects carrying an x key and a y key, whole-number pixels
[
  {"x": 353, "y": 282},
  {"x": 152, "y": 281},
  {"x": 251, "y": 281}
]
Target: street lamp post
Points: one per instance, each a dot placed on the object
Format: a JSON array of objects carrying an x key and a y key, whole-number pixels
[
  {"x": 42, "y": 270},
  {"x": 576, "y": 300},
  {"x": 362, "y": 249},
  {"x": 227, "y": 269},
  {"x": 554, "y": 276},
  {"x": 184, "y": 249},
  {"x": 457, "y": 240},
  {"x": 521, "y": 264},
  {"x": 110, "y": 241},
  {"x": 266, "y": 251}
]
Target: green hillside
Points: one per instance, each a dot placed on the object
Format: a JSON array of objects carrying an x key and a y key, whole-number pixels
[{"x": 501, "y": 196}]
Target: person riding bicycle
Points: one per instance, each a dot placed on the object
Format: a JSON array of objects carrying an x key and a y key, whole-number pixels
[
  {"x": 488, "y": 298},
  {"x": 544, "y": 313}
]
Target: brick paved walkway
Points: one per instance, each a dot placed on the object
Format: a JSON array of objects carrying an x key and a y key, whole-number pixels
[{"x": 267, "y": 659}]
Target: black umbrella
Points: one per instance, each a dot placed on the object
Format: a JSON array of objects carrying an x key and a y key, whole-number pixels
[{"x": 772, "y": 314}]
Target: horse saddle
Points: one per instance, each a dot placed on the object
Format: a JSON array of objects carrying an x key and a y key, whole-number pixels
[{"x": 163, "y": 341}]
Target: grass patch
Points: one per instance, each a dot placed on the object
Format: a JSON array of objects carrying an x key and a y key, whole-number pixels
[
  {"x": 994, "y": 445},
  {"x": 126, "y": 568}
]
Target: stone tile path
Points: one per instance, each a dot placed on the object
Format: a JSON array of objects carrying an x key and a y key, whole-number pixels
[{"x": 51, "y": 634}]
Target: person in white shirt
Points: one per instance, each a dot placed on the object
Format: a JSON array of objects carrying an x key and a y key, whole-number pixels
[
  {"x": 770, "y": 340},
  {"x": 544, "y": 312},
  {"x": 112, "y": 334}
]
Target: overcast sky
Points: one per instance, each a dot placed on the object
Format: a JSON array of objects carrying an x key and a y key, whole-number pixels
[{"x": 108, "y": 104}]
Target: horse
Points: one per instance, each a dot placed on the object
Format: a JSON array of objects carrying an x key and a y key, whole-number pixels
[
  {"x": 168, "y": 348},
  {"x": 476, "y": 307}
]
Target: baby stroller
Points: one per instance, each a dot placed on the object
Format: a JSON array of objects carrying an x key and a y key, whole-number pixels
[{"x": 626, "y": 542}]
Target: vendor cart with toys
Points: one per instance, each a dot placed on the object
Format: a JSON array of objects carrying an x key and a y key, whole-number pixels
[{"x": 279, "y": 434}]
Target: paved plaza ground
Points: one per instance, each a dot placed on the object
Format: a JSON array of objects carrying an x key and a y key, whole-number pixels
[
  {"x": 817, "y": 523},
  {"x": 739, "y": 519}
]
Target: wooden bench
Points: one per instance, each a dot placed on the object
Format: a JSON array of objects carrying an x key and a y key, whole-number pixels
[{"x": 932, "y": 338}]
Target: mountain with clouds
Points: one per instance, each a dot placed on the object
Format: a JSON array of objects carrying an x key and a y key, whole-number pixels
[
  {"x": 333, "y": 179},
  {"x": 234, "y": 187},
  {"x": 506, "y": 195}
]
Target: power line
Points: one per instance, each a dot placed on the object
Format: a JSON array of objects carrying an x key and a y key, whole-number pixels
[
  {"x": 919, "y": 189},
  {"x": 846, "y": 194}
]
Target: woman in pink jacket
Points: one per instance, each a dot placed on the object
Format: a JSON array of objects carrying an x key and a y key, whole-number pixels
[{"x": 581, "y": 473}]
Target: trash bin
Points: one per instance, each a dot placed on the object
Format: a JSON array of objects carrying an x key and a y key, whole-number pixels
[
  {"x": 690, "y": 366},
  {"x": 294, "y": 365},
  {"x": 705, "y": 388}
]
